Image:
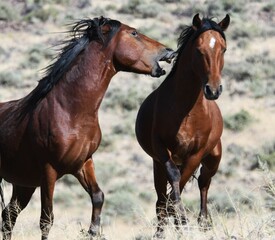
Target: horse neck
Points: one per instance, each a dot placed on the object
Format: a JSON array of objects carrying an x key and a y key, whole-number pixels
[
  {"x": 184, "y": 83},
  {"x": 85, "y": 84}
]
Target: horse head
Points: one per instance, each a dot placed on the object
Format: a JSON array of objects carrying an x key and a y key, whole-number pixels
[
  {"x": 132, "y": 51},
  {"x": 135, "y": 52},
  {"x": 209, "y": 47}
]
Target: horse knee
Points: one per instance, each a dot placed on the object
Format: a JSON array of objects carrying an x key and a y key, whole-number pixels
[
  {"x": 173, "y": 172},
  {"x": 98, "y": 199}
]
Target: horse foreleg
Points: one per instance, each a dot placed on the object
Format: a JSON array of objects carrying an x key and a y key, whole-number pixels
[
  {"x": 86, "y": 177},
  {"x": 48, "y": 179},
  {"x": 19, "y": 200},
  {"x": 160, "y": 181},
  {"x": 209, "y": 167},
  {"x": 2, "y": 194},
  {"x": 187, "y": 170}
]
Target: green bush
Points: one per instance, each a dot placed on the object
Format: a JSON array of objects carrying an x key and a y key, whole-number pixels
[
  {"x": 238, "y": 71},
  {"x": 146, "y": 196},
  {"x": 149, "y": 10},
  {"x": 238, "y": 121},
  {"x": 256, "y": 72},
  {"x": 42, "y": 14},
  {"x": 121, "y": 202},
  {"x": 107, "y": 171},
  {"x": 269, "y": 7},
  {"x": 142, "y": 9},
  {"x": 126, "y": 127},
  {"x": 234, "y": 6},
  {"x": 131, "y": 6},
  {"x": 8, "y": 12},
  {"x": 126, "y": 100},
  {"x": 266, "y": 155},
  {"x": 214, "y": 8},
  {"x": 269, "y": 158},
  {"x": 36, "y": 55},
  {"x": 69, "y": 180},
  {"x": 230, "y": 203},
  {"x": 10, "y": 79},
  {"x": 106, "y": 143}
]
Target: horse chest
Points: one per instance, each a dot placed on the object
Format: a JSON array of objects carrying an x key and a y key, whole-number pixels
[
  {"x": 190, "y": 139},
  {"x": 185, "y": 143}
]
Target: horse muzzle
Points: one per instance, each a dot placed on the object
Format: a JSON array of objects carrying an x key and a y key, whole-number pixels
[
  {"x": 167, "y": 55},
  {"x": 212, "y": 93}
]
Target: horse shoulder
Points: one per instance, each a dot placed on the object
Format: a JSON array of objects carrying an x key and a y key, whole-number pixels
[
  {"x": 216, "y": 127},
  {"x": 216, "y": 116}
]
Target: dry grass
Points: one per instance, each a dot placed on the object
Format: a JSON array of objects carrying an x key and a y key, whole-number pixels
[
  {"x": 242, "y": 223},
  {"x": 258, "y": 224}
]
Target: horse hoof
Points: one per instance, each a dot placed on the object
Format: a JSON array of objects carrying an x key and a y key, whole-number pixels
[
  {"x": 205, "y": 223},
  {"x": 180, "y": 221},
  {"x": 91, "y": 235},
  {"x": 101, "y": 237},
  {"x": 95, "y": 234},
  {"x": 158, "y": 235}
]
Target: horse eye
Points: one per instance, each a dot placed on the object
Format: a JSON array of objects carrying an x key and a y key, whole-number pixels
[{"x": 134, "y": 33}]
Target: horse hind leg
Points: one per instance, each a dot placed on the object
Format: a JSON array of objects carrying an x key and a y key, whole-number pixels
[
  {"x": 19, "y": 200},
  {"x": 86, "y": 176},
  {"x": 210, "y": 165}
]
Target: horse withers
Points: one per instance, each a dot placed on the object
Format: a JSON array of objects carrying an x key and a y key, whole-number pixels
[
  {"x": 180, "y": 126},
  {"x": 54, "y": 130}
]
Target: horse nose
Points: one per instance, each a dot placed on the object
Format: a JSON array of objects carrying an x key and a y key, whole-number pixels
[{"x": 212, "y": 93}]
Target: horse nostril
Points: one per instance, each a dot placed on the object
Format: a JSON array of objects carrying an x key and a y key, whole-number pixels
[
  {"x": 207, "y": 90},
  {"x": 220, "y": 89}
]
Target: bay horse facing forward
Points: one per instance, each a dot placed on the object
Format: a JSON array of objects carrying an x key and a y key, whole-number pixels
[
  {"x": 54, "y": 130},
  {"x": 179, "y": 126}
]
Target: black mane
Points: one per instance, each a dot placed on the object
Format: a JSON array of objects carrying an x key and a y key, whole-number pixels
[
  {"x": 81, "y": 33},
  {"x": 189, "y": 33}
]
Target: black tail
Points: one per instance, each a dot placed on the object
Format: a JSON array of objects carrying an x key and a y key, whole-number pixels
[{"x": 2, "y": 195}]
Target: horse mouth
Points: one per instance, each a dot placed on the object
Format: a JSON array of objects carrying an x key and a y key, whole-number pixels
[
  {"x": 169, "y": 56},
  {"x": 166, "y": 57}
]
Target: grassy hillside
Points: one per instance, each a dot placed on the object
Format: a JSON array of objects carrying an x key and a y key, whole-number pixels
[{"x": 242, "y": 194}]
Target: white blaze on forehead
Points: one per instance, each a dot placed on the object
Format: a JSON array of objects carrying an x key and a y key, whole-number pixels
[{"x": 212, "y": 42}]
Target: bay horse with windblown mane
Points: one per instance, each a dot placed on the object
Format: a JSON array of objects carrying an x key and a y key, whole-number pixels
[
  {"x": 54, "y": 130},
  {"x": 180, "y": 126}
]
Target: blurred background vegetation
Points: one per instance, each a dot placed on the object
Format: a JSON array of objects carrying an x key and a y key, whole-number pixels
[{"x": 29, "y": 29}]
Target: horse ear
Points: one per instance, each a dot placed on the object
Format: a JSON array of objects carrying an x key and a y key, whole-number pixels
[
  {"x": 225, "y": 22},
  {"x": 196, "y": 22}
]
